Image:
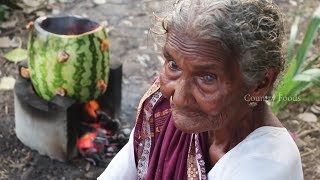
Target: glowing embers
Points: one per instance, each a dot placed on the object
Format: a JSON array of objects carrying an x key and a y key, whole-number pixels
[
  {"x": 103, "y": 138},
  {"x": 91, "y": 107}
]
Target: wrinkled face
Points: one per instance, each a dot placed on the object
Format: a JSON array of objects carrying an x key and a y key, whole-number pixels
[{"x": 205, "y": 83}]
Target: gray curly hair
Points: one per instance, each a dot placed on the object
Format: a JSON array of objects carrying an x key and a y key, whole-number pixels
[{"x": 253, "y": 29}]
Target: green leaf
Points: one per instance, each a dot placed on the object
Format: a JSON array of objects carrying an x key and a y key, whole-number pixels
[
  {"x": 316, "y": 83},
  {"x": 294, "y": 83},
  {"x": 311, "y": 62},
  {"x": 4, "y": 10},
  {"x": 16, "y": 55},
  {"x": 299, "y": 87},
  {"x": 293, "y": 35},
  {"x": 308, "y": 39},
  {"x": 287, "y": 83},
  {"x": 308, "y": 75},
  {"x": 284, "y": 88}
]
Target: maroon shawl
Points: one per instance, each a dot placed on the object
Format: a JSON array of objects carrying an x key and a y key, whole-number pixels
[{"x": 161, "y": 150}]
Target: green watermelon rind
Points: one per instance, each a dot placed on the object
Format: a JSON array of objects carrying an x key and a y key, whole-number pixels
[{"x": 79, "y": 75}]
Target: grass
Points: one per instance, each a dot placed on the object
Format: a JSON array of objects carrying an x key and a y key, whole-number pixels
[{"x": 301, "y": 74}]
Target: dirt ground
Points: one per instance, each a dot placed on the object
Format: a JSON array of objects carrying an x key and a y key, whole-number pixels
[{"x": 131, "y": 45}]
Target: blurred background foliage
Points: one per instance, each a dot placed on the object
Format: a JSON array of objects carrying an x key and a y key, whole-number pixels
[
  {"x": 301, "y": 80},
  {"x": 4, "y": 12}
]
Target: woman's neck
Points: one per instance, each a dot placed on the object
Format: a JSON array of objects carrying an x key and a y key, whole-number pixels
[{"x": 222, "y": 140}]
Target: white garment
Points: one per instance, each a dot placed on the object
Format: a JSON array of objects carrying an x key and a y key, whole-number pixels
[{"x": 268, "y": 153}]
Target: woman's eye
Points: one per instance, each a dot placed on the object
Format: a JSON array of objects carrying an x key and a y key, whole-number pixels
[
  {"x": 173, "y": 65},
  {"x": 208, "y": 78}
]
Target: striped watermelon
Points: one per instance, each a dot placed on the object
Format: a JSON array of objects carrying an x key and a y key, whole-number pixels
[{"x": 73, "y": 63}]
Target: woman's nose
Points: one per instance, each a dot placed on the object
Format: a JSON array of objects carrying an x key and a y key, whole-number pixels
[{"x": 181, "y": 96}]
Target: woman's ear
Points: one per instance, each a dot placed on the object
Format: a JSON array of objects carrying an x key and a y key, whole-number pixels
[{"x": 264, "y": 87}]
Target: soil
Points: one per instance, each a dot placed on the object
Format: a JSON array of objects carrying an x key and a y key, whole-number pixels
[{"x": 132, "y": 46}]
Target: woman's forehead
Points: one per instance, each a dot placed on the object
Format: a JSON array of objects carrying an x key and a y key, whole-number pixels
[{"x": 180, "y": 45}]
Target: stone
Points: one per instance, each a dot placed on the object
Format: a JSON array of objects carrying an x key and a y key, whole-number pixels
[
  {"x": 283, "y": 115},
  {"x": 315, "y": 109},
  {"x": 308, "y": 117}
]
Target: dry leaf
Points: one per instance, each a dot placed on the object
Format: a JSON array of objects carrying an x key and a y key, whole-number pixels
[
  {"x": 99, "y": 1},
  {"x": 7, "y": 83}
]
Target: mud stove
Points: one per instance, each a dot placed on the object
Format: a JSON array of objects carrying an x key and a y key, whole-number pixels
[{"x": 62, "y": 128}]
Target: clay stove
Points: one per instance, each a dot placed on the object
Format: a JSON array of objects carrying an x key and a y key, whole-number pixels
[{"x": 61, "y": 128}]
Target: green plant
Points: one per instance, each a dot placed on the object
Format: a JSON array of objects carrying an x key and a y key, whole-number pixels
[
  {"x": 4, "y": 11},
  {"x": 301, "y": 74}
]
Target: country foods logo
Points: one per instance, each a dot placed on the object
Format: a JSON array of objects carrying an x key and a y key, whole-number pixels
[{"x": 278, "y": 97}]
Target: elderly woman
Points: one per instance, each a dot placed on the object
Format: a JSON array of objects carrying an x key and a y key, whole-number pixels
[{"x": 196, "y": 121}]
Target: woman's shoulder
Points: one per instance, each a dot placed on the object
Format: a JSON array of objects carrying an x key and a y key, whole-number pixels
[
  {"x": 269, "y": 142},
  {"x": 274, "y": 144},
  {"x": 154, "y": 89},
  {"x": 267, "y": 153},
  {"x": 152, "y": 114},
  {"x": 258, "y": 167},
  {"x": 152, "y": 101}
]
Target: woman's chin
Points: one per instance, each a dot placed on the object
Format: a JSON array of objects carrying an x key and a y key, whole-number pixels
[{"x": 187, "y": 126}]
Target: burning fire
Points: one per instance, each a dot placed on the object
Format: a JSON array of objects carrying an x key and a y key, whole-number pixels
[
  {"x": 91, "y": 107},
  {"x": 97, "y": 140},
  {"x": 104, "y": 138},
  {"x": 86, "y": 143}
]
